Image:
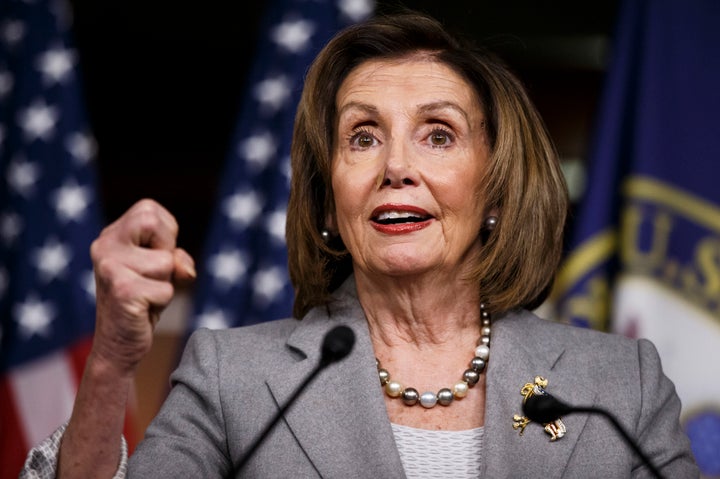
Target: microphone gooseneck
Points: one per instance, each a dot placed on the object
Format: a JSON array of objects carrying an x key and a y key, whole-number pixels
[
  {"x": 337, "y": 343},
  {"x": 544, "y": 408}
]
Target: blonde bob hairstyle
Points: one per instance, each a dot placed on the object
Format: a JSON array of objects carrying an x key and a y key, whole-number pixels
[{"x": 523, "y": 180}]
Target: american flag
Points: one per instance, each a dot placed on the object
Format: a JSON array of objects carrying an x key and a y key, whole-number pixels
[
  {"x": 49, "y": 215},
  {"x": 244, "y": 279}
]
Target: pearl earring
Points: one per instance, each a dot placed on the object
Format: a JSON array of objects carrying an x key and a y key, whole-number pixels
[
  {"x": 325, "y": 234},
  {"x": 490, "y": 223}
]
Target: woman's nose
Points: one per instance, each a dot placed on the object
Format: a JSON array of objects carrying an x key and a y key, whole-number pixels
[{"x": 398, "y": 169}]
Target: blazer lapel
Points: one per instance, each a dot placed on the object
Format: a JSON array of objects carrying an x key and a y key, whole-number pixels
[
  {"x": 521, "y": 349},
  {"x": 340, "y": 420}
]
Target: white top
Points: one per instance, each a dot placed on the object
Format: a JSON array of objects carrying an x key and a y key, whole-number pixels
[{"x": 432, "y": 454}]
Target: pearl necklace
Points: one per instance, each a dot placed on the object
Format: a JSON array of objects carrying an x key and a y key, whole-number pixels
[{"x": 444, "y": 396}]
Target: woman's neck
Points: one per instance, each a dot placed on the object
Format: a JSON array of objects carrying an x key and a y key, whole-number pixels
[{"x": 415, "y": 311}]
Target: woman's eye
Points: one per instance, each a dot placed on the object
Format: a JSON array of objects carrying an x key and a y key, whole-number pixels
[
  {"x": 440, "y": 138},
  {"x": 363, "y": 140}
]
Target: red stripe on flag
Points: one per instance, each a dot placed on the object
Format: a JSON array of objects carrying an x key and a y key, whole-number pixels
[{"x": 13, "y": 447}]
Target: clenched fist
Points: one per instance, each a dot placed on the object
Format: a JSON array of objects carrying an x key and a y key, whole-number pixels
[{"x": 137, "y": 266}]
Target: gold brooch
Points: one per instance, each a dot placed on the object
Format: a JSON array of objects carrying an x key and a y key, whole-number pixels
[{"x": 556, "y": 429}]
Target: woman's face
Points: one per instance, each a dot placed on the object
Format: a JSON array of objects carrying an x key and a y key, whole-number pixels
[{"x": 407, "y": 163}]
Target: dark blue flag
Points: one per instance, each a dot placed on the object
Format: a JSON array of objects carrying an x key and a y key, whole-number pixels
[
  {"x": 645, "y": 257},
  {"x": 244, "y": 278}
]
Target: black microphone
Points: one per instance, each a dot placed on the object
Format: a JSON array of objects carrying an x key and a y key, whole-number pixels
[
  {"x": 544, "y": 408},
  {"x": 337, "y": 344}
]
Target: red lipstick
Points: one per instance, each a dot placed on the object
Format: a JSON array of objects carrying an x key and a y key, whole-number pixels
[{"x": 399, "y": 219}]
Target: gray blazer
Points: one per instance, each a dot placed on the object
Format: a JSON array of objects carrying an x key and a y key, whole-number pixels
[{"x": 231, "y": 382}]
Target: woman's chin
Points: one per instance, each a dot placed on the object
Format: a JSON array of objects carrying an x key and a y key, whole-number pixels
[{"x": 404, "y": 266}]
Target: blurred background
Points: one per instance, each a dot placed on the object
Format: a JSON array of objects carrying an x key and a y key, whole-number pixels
[{"x": 191, "y": 105}]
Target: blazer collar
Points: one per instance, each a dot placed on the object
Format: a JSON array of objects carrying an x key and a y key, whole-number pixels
[
  {"x": 523, "y": 347},
  {"x": 340, "y": 420},
  {"x": 352, "y": 432}
]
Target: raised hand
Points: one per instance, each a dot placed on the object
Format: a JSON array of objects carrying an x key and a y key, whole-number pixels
[{"x": 136, "y": 265}]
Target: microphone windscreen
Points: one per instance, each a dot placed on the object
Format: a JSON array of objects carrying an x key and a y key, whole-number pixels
[
  {"x": 337, "y": 344},
  {"x": 544, "y": 408}
]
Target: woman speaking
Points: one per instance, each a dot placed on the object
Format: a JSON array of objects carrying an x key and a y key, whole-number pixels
[{"x": 426, "y": 214}]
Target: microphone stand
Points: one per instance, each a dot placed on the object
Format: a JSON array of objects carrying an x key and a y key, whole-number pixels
[
  {"x": 544, "y": 408},
  {"x": 337, "y": 344},
  {"x": 625, "y": 435},
  {"x": 280, "y": 414}
]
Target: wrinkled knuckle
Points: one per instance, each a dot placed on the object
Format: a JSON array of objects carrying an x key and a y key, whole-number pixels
[
  {"x": 134, "y": 309},
  {"x": 96, "y": 250},
  {"x": 102, "y": 241},
  {"x": 148, "y": 221},
  {"x": 105, "y": 268},
  {"x": 174, "y": 227},
  {"x": 165, "y": 262},
  {"x": 166, "y": 293},
  {"x": 123, "y": 288},
  {"x": 146, "y": 204}
]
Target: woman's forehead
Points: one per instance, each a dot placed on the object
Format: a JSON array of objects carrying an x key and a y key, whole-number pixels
[{"x": 421, "y": 81}]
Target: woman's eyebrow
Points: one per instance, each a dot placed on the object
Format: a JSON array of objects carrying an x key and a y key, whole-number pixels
[
  {"x": 442, "y": 105},
  {"x": 356, "y": 105}
]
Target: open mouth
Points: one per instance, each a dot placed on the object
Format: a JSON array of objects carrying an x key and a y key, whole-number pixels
[{"x": 399, "y": 217}]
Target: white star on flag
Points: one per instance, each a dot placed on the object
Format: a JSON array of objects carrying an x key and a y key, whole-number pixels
[
  {"x": 38, "y": 121},
  {"x": 215, "y": 319},
  {"x": 356, "y": 10},
  {"x": 56, "y": 64},
  {"x": 52, "y": 259},
  {"x": 71, "y": 201},
  {"x": 267, "y": 283},
  {"x": 243, "y": 207},
  {"x": 258, "y": 149},
  {"x": 294, "y": 36},
  {"x": 22, "y": 176},
  {"x": 276, "y": 225},
  {"x": 34, "y": 317},
  {"x": 82, "y": 147},
  {"x": 227, "y": 267},
  {"x": 273, "y": 93},
  {"x": 286, "y": 169}
]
